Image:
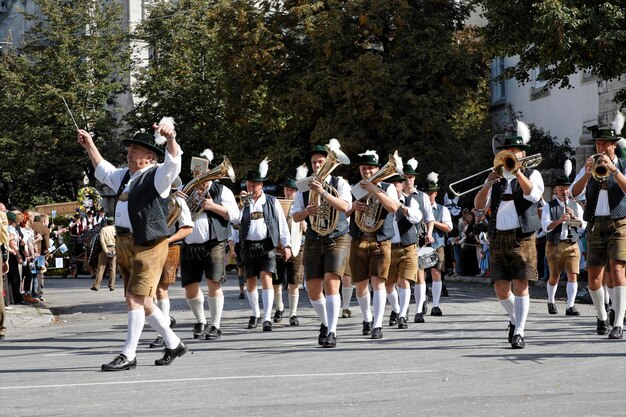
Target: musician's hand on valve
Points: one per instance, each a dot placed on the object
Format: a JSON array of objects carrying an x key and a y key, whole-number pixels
[
  {"x": 369, "y": 186},
  {"x": 316, "y": 186},
  {"x": 359, "y": 206},
  {"x": 311, "y": 209},
  {"x": 207, "y": 203}
]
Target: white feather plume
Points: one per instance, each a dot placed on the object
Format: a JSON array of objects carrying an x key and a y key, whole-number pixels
[
  {"x": 399, "y": 164},
  {"x": 412, "y": 163},
  {"x": 433, "y": 177},
  {"x": 621, "y": 143},
  {"x": 208, "y": 154},
  {"x": 167, "y": 121},
  {"x": 263, "y": 167},
  {"x": 524, "y": 131},
  {"x": 301, "y": 172},
  {"x": 567, "y": 168},
  {"x": 334, "y": 145},
  {"x": 368, "y": 152},
  {"x": 618, "y": 123}
]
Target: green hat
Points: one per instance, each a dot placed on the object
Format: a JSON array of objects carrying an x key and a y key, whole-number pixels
[
  {"x": 395, "y": 178},
  {"x": 513, "y": 142},
  {"x": 562, "y": 180},
  {"x": 321, "y": 149},
  {"x": 606, "y": 133},
  {"x": 409, "y": 167},
  {"x": 289, "y": 183},
  {"x": 146, "y": 140},
  {"x": 368, "y": 158},
  {"x": 11, "y": 216},
  {"x": 431, "y": 183}
]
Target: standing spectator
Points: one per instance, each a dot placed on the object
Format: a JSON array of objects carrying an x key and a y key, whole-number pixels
[
  {"x": 15, "y": 259},
  {"x": 107, "y": 256},
  {"x": 42, "y": 246},
  {"x": 4, "y": 247}
]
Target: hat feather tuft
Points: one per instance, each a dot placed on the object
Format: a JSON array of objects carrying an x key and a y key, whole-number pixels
[
  {"x": 524, "y": 131},
  {"x": 368, "y": 152},
  {"x": 433, "y": 177},
  {"x": 399, "y": 164},
  {"x": 208, "y": 154},
  {"x": 618, "y": 123},
  {"x": 263, "y": 167},
  {"x": 621, "y": 143},
  {"x": 412, "y": 163},
  {"x": 301, "y": 172},
  {"x": 567, "y": 167}
]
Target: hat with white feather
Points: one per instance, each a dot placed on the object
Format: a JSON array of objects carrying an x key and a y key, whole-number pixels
[
  {"x": 520, "y": 141},
  {"x": 301, "y": 173},
  {"x": 567, "y": 171},
  {"x": 410, "y": 167},
  {"x": 612, "y": 133},
  {"x": 368, "y": 158},
  {"x": 431, "y": 183},
  {"x": 259, "y": 175}
]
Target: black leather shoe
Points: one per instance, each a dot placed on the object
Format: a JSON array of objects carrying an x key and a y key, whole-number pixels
[
  {"x": 267, "y": 326},
  {"x": 393, "y": 318},
  {"x": 571, "y": 311},
  {"x": 377, "y": 333},
  {"x": 241, "y": 296},
  {"x": 419, "y": 318},
  {"x": 436, "y": 311},
  {"x": 213, "y": 333},
  {"x": 603, "y": 327},
  {"x": 510, "y": 330},
  {"x": 253, "y": 322},
  {"x": 93, "y": 289},
  {"x": 518, "y": 342},
  {"x": 330, "y": 341},
  {"x": 172, "y": 322},
  {"x": 367, "y": 328},
  {"x": 293, "y": 321},
  {"x": 402, "y": 324},
  {"x": 611, "y": 317},
  {"x": 607, "y": 307},
  {"x": 120, "y": 363},
  {"x": 198, "y": 330},
  {"x": 1, "y": 337},
  {"x": 278, "y": 316},
  {"x": 616, "y": 333},
  {"x": 323, "y": 334},
  {"x": 424, "y": 308},
  {"x": 158, "y": 343},
  {"x": 171, "y": 354},
  {"x": 552, "y": 308}
]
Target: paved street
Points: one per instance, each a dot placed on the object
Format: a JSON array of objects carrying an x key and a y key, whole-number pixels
[{"x": 458, "y": 364}]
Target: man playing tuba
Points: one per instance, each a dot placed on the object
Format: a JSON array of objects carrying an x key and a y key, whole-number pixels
[{"x": 325, "y": 250}]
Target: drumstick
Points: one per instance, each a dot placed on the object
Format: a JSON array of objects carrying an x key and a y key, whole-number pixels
[{"x": 70, "y": 112}]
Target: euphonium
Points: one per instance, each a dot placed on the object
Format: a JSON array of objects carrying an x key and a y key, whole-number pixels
[
  {"x": 326, "y": 218},
  {"x": 193, "y": 198},
  {"x": 368, "y": 220},
  {"x": 599, "y": 171}
]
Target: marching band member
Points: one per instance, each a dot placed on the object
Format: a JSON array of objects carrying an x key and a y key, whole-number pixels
[
  {"x": 326, "y": 245},
  {"x": 428, "y": 219},
  {"x": 370, "y": 249},
  {"x": 262, "y": 226},
  {"x": 562, "y": 241},
  {"x": 512, "y": 228},
  {"x": 603, "y": 180},
  {"x": 180, "y": 229},
  {"x": 441, "y": 226},
  {"x": 203, "y": 252},
  {"x": 403, "y": 266},
  {"x": 141, "y": 232}
]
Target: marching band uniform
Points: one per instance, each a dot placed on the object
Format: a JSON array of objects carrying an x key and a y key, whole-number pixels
[
  {"x": 262, "y": 226},
  {"x": 562, "y": 243},
  {"x": 325, "y": 257},
  {"x": 512, "y": 230},
  {"x": 605, "y": 213}
]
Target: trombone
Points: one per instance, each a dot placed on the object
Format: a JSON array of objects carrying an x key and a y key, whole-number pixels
[
  {"x": 598, "y": 170},
  {"x": 506, "y": 164}
]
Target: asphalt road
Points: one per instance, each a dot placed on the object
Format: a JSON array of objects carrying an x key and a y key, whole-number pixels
[{"x": 458, "y": 364}]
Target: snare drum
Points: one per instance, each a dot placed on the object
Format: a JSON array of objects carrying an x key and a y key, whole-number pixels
[{"x": 427, "y": 257}]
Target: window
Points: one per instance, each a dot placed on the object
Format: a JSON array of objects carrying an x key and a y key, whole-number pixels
[
  {"x": 538, "y": 81},
  {"x": 497, "y": 86}
]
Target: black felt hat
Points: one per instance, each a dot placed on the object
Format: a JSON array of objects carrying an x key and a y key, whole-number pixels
[{"x": 146, "y": 140}]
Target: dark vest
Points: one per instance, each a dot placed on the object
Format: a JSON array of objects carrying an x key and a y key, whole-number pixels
[
  {"x": 617, "y": 198},
  {"x": 217, "y": 224},
  {"x": 342, "y": 224},
  {"x": 385, "y": 232},
  {"x": 270, "y": 220},
  {"x": 147, "y": 210},
  {"x": 554, "y": 235},
  {"x": 526, "y": 210},
  {"x": 408, "y": 231}
]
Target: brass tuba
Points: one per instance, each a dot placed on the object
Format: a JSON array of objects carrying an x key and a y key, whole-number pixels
[
  {"x": 368, "y": 220},
  {"x": 326, "y": 218},
  {"x": 193, "y": 198}
]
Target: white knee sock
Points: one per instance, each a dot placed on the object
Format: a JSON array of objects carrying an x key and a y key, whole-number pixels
[
  {"x": 379, "y": 307},
  {"x": 392, "y": 297},
  {"x": 551, "y": 292},
  {"x": 293, "y": 303},
  {"x": 268, "y": 301},
  {"x": 522, "y": 305},
  {"x": 364, "y": 304},
  {"x": 346, "y": 295},
  {"x": 420, "y": 296},
  {"x": 597, "y": 297},
  {"x": 161, "y": 324},
  {"x": 253, "y": 299},
  {"x": 164, "y": 306},
  {"x": 436, "y": 288},
  {"x": 216, "y": 306},
  {"x": 509, "y": 307},
  {"x": 197, "y": 307},
  {"x": 320, "y": 308},
  {"x": 333, "y": 304},
  {"x": 619, "y": 304},
  {"x": 136, "y": 320},
  {"x": 278, "y": 298},
  {"x": 572, "y": 289},
  {"x": 404, "y": 298}
]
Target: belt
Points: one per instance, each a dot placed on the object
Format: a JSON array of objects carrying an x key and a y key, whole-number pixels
[
  {"x": 256, "y": 215},
  {"x": 122, "y": 230},
  {"x": 507, "y": 197}
]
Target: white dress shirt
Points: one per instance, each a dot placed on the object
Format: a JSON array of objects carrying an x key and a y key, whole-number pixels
[
  {"x": 602, "y": 208},
  {"x": 258, "y": 228},
  {"x": 414, "y": 216},
  {"x": 201, "y": 228},
  {"x": 546, "y": 217},
  {"x": 343, "y": 192}
]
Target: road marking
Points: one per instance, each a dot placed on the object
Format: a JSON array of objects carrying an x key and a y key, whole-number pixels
[{"x": 217, "y": 378}]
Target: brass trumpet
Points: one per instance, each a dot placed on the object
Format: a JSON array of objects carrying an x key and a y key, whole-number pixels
[
  {"x": 598, "y": 170},
  {"x": 506, "y": 164}
]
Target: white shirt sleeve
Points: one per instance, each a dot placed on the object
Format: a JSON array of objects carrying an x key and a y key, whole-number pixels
[
  {"x": 415, "y": 214},
  {"x": 167, "y": 172},
  {"x": 446, "y": 218},
  {"x": 229, "y": 201},
  {"x": 578, "y": 176},
  {"x": 184, "y": 218},
  {"x": 283, "y": 227},
  {"x": 537, "y": 191},
  {"x": 546, "y": 217}
]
